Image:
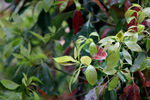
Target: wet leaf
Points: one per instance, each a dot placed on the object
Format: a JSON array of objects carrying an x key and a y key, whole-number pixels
[{"x": 91, "y": 75}]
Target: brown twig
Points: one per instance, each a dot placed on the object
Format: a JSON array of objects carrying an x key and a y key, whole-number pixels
[{"x": 102, "y": 8}]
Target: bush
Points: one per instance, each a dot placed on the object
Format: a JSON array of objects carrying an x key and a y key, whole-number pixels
[{"x": 75, "y": 50}]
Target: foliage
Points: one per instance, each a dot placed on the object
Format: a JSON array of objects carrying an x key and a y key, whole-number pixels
[{"x": 75, "y": 49}]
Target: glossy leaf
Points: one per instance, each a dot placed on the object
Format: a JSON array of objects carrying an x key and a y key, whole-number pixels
[
  {"x": 140, "y": 28},
  {"x": 47, "y": 4},
  {"x": 129, "y": 13},
  {"x": 112, "y": 61},
  {"x": 145, "y": 64},
  {"x": 63, "y": 6},
  {"x": 91, "y": 75},
  {"x": 86, "y": 60},
  {"x": 127, "y": 74},
  {"x": 127, "y": 56},
  {"x": 93, "y": 48},
  {"x": 36, "y": 97},
  {"x": 120, "y": 36},
  {"x": 121, "y": 76},
  {"x": 141, "y": 16},
  {"x": 74, "y": 77},
  {"x": 133, "y": 46},
  {"x": 113, "y": 83},
  {"x": 78, "y": 5},
  {"x": 65, "y": 60},
  {"x": 9, "y": 84}
]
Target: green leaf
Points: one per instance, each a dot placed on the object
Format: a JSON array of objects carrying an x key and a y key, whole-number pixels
[
  {"x": 105, "y": 40},
  {"x": 136, "y": 5},
  {"x": 78, "y": 5},
  {"x": 140, "y": 28},
  {"x": 12, "y": 95},
  {"x": 130, "y": 19},
  {"x": 38, "y": 36},
  {"x": 74, "y": 77},
  {"x": 129, "y": 13},
  {"x": 145, "y": 64},
  {"x": 121, "y": 76},
  {"x": 137, "y": 62},
  {"x": 57, "y": 21},
  {"x": 141, "y": 16},
  {"x": 147, "y": 44},
  {"x": 113, "y": 83},
  {"x": 110, "y": 95},
  {"x": 147, "y": 11},
  {"x": 119, "y": 36},
  {"x": 63, "y": 6},
  {"x": 86, "y": 60},
  {"x": 133, "y": 46},
  {"x": 94, "y": 34},
  {"x": 18, "y": 56},
  {"x": 45, "y": 76},
  {"x": 91, "y": 75},
  {"x": 75, "y": 53},
  {"x": 127, "y": 56},
  {"x": 33, "y": 78},
  {"x": 65, "y": 60},
  {"x": 9, "y": 84},
  {"x": 93, "y": 49},
  {"x": 112, "y": 61},
  {"x": 36, "y": 97},
  {"x": 47, "y": 4},
  {"x": 126, "y": 73}
]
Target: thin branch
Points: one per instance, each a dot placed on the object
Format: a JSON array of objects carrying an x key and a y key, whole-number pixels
[
  {"x": 102, "y": 8},
  {"x": 67, "y": 73}
]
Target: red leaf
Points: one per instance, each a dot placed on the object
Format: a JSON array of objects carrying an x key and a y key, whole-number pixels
[
  {"x": 86, "y": 82},
  {"x": 127, "y": 4},
  {"x": 16, "y": 2},
  {"x": 130, "y": 93},
  {"x": 133, "y": 22},
  {"x": 77, "y": 21},
  {"x": 66, "y": 95},
  {"x": 42, "y": 92},
  {"x": 147, "y": 84},
  {"x": 100, "y": 55},
  {"x": 67, "y": 51},
  {"x": 142, "y": 77},
  {"x": 105, "y": 32},
  {"x": 137, "y": 9}
]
